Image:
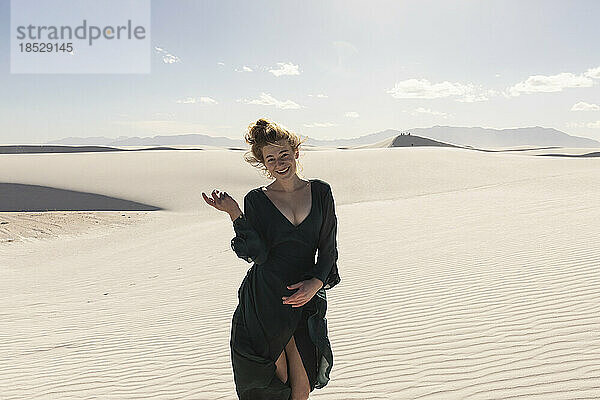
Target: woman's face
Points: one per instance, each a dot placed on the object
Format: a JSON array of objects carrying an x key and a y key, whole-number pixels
[{"x": 280, "y": 160}]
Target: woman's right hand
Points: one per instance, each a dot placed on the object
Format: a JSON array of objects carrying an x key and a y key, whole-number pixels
[{"x": 223, "y": 202}]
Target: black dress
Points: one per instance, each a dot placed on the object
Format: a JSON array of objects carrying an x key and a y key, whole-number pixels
[{"x": 283, "y": 254}]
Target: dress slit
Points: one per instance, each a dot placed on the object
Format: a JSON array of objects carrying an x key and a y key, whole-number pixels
[{"x": 305, "y": 346}]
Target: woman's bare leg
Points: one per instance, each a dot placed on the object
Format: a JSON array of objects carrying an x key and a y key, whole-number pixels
[
  {"x": 297, "y": 373},
  {"x": 281, "y": 367}
]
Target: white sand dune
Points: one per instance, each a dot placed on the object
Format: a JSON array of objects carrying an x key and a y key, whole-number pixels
[{"x": 465, "y": 275}]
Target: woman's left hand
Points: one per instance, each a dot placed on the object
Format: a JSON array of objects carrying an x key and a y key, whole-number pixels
[{"x": 306, "y": 290}]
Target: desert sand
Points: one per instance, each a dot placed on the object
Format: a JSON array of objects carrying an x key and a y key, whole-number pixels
[{"x": 465, "y": 274}]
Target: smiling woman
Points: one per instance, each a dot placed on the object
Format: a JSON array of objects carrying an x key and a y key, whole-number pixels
[
  {"x": 280, "y": 348},
  {"x": 264, "y": 133}
]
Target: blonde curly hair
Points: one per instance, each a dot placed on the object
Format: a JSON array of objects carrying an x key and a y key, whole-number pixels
[{"x": 264, "y": 132}]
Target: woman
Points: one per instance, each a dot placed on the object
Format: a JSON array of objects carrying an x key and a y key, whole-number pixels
[{"x": 279, "y": 344}]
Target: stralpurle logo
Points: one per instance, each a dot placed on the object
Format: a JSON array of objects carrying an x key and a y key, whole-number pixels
[{"x": 82, "y": 32}]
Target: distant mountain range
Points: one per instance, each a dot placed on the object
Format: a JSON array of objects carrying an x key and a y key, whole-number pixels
[
  {"x": 473, "y": 137},
  {"x": 188, "y": 139}
]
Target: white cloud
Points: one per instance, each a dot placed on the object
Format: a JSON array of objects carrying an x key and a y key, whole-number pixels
[
  {"x": 171, "y": 59},
  {"x": 320, "y": 96},
  {"x": 593, "y": 73},
  {"x": 167, "y": 57},
  {"x": 220, "y": 63},
  {"x": 208, "y": 100},
  {"x": 320, "y": 125},
  {"x": 583, "y": 106},
  {"x": 187, "y": 100},
  {"x": 194, "y": 100},
  {"x": 245, "y": 68},
  {"x": 285, "y": 69},
  {"x": 266, "y": 99},
  {"x": 575, "y": 125},
  {"x": 429, "y": 111},
  {"x": 469, "y": 93},
  {"x": 351, "y": 114},
  {"x": 594, "y": 125},
  {"x": 423, "y": 89},
  {"x": 552, "y": 83}
]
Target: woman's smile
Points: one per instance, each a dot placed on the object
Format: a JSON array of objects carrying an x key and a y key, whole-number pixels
[{"x": 283, "y": 171}]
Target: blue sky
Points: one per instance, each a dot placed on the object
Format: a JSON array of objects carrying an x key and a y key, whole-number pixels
[{"x": 327, "y": 69}]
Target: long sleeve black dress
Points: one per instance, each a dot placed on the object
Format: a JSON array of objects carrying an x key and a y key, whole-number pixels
[{"x": 283, "y": 254}]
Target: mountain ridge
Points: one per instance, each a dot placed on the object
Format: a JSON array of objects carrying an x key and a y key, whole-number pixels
[{"x": 460, "y": 136}]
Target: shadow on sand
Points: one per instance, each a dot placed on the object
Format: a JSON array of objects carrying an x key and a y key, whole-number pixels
[
  {"x": 16, "y": 197},
  {"x": 34, "y": 149},
  {"x": 594, "y": 154}
]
